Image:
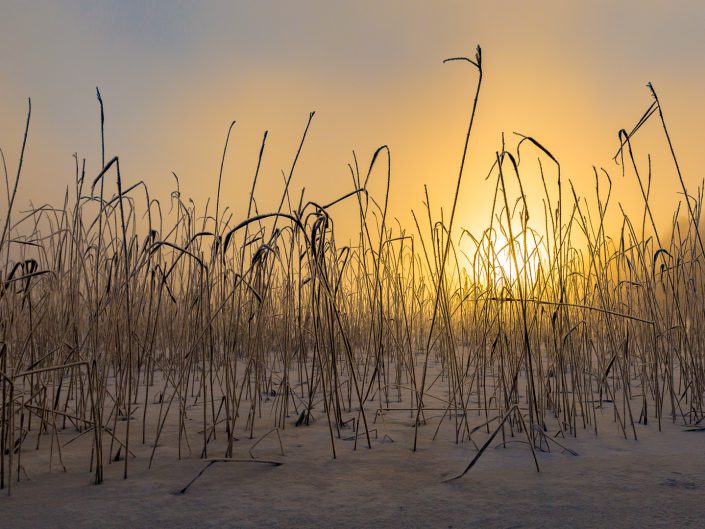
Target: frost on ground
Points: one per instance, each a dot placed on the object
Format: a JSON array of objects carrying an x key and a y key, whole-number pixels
[{"x": 656, "y": 481}]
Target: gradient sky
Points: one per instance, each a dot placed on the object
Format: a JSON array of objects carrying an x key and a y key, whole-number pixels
[{"x": 174, "y": 74}]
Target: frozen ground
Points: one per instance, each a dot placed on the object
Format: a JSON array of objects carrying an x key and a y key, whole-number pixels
[{"x": 657, "y": 481}]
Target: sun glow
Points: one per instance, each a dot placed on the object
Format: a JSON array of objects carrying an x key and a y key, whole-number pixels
[{"x": 494, "y": 262}]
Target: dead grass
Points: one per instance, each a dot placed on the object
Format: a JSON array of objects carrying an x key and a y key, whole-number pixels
[{"x": 537, "y": 322}]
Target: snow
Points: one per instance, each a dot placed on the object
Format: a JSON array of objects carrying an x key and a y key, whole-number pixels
[{"x": 656, "y": 481}]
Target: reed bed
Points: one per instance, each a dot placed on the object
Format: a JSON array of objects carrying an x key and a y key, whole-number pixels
[{"x": 121, "y": 315}]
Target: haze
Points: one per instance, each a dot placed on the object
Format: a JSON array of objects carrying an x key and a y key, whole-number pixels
[{"x": 174, "y": 75}]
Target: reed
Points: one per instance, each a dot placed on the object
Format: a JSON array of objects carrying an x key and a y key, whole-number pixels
[{"x": 224, "y": 325}]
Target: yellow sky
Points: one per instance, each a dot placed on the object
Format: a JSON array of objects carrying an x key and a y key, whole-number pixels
[{"x": 173, "y": 76}]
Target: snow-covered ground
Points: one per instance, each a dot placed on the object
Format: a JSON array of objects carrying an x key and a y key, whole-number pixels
[{"x": 657, "y": 481}]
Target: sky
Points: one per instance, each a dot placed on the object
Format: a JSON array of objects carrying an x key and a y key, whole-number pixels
[{"x": 173, "y": 76}]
